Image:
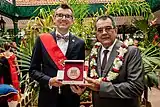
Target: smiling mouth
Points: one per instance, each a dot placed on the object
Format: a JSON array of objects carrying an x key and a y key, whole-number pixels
[
  {"x": 105, "y": 37},
  {"x": 63, "y": 24}
]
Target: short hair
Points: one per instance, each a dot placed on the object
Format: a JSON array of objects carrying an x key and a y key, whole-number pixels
[
  {"x": 105, "y": 17},
  {"x": 7, "y": 45},
  {"x": 64, "y": 6}
]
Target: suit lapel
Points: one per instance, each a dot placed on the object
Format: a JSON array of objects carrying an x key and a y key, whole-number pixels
[
  {"x": 54, "y": 36},
  {"x": 99, "y": 63},
  {"x": 112, "y": 56},
  {"x": 71, "y": 44}
]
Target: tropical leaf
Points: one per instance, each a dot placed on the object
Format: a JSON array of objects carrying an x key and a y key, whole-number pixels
[
  {"x": 148, "y": 49},
  {"x": 151, "y": 60},
  {"x": 152, "y": 79},
  {"x": 142, "y": 25},
  {"x": 128, "y": 8},
  {"x": 24, "y": 62},
  {"x": 155, "y": 60}
]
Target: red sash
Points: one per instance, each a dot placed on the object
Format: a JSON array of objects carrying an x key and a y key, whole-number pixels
[{"x": 53, "y": 50}]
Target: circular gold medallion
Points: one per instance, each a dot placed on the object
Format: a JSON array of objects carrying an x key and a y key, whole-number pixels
[{"x": 73, "y": 73}]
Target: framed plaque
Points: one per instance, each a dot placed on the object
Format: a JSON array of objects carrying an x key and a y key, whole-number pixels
[{"x": 73, "y": 72}]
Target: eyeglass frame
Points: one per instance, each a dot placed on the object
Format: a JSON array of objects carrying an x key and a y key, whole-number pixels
[
  {"x": 107, "y": 29},
  {"x": 67, "y": 16}
]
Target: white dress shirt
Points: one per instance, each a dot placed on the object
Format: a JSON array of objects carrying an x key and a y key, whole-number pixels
[{"x": 62, "y": 44}]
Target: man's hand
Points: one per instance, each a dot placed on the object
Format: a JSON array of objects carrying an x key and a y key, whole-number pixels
[
  {"x": 77, "y": 89},
  {"x": 54, "y": 82},
  {"x": 93, "y": 84}
]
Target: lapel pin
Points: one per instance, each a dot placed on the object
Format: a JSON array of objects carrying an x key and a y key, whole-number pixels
[{"x": 73, "y": 40}]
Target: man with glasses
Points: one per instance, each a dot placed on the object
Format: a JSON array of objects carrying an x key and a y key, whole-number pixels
[
  {"x": 48, "y": 55},
  {"x": 116, "y": 76}
]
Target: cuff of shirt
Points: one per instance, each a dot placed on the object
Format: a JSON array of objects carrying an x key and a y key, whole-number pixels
[{"x": 50, "y": 87}]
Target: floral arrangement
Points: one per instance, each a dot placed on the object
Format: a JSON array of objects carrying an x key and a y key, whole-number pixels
[{"x": 118, "y": 61}]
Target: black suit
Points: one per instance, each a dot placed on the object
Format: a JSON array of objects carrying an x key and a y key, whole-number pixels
[
  {"x": 43, "y": 68},
  {"x": 125, "y": 90}
]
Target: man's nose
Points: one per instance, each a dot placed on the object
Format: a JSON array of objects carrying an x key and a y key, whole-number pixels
[
  {"x": 64, "y": 17},
  {"x": 104, "y": 31}
]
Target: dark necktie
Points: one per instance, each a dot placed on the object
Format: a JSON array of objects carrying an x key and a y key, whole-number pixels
[
  {"x": 104, "y": 62},
  {"x": 66, "y": 38}
]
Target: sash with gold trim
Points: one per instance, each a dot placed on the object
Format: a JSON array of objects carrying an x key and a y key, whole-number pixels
[{"x": 53, "y": 50}]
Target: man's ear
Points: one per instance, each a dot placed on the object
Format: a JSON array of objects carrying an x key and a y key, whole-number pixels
[
  {"x": 116, "y": 29},
  {"x": 53, "y": 18},
  {"x": 73, "y": 20}
]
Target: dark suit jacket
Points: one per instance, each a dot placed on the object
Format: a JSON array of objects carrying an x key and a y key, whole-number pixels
[
  {"x": 43, "y": 68},
  {"x": 125, "y": 90}
]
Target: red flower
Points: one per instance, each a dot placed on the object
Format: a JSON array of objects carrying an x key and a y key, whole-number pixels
[
  {"x": 105, "y": 79},
  {"x": 93, "y": 56},
  {"x": 95, "y": 77},
  {"x": 120, "y": 57},
  {"x": 123, "y": 46},
  {"x": 93, "y": 67},
  {"x": 115, "y": 70},
  {"x": 156, "y": 37},
  {"x": 96, "y": 46}
]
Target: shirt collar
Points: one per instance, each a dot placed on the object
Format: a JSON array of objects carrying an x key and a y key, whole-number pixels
[
  {"x": 109, "y": 48},
  {"x": 67, "y": 34}
]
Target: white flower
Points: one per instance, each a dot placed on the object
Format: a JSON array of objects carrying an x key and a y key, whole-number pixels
[
  {"x": 98, "y": 44},
  {"x": 93, "y": 73},
  {"x": 111, "y": 75},
  {"x": 94, "y": 51},
  {"x": 126, "y": 42},
  {"x": 130, "y": 41},
  {"x": 92, "y": 62},
  {"x": 122, "y": 51},
  {"x": 117, "y": 63}
]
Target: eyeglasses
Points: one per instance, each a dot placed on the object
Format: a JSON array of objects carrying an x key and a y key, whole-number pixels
[
  {"x": 60, "y": 15},
  {"x": 107, "y": 29}
]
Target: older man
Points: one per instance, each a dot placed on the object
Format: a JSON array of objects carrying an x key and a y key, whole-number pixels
[{"x": 116, "y": 71}]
